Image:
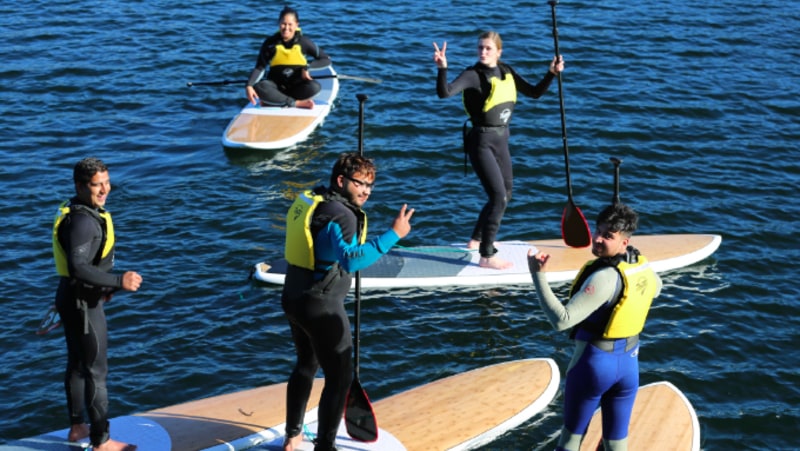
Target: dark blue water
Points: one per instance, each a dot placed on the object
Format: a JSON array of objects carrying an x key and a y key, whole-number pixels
[{"x": 699, "y": 99}]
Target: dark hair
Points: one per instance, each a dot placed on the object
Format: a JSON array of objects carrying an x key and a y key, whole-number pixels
[
  {"x": 619, "y": 218},
  {"x": 86, "y": 169},
  {"x": 350, "y": 164},
  {"x": 288, "y": 10}
]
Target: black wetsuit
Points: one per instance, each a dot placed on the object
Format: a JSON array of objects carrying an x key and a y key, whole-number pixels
[
  {"x": 79, "y": 301},
  {"x": 487, "y": 144},
  {"x": 314, "y": 304},
  {"x": 284, "y": 84}
]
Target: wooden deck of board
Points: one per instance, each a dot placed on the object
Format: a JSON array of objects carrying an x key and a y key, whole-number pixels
[
  {"x": 661, "y": 421},
  {"x": 248, "y": 128},
  {"x": 226, "y": 417}
]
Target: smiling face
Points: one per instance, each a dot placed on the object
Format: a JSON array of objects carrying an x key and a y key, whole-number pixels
[
  {"x": 95, "y": 192},
  {"x": 606, "y": 243},
  {"x": 488, "y": 52},
  {"x": 288, "y": 26},
  {"x": 357, "y": 188}
]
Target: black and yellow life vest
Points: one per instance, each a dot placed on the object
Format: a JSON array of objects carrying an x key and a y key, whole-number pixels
[
  {"x": 106, "y": 248},
  {"x": 299, "y": 248},
  {"x": 289, "y": 56},
  {"x": 496, "y": 107},
  {"x": 625, "y": 317}
]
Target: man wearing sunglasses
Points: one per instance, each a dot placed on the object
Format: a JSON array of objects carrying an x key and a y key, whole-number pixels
[{"x": 326, "y": 241}]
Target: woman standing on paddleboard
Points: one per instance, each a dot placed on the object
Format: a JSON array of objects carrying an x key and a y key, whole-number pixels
[
  {"x": 283, "y": 56},
  {"x": 608, "y": 304},
  {"x": 489, "y": 92}
]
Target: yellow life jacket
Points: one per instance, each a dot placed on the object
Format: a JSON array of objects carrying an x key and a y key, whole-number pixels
[
  {"x": 60, "y": 255},
  {"x": 639, "y": 287},
  {"x": 299, "y": 248},
  {"x": 498, "y": 105},
  {"x": 291, "y": 56}
]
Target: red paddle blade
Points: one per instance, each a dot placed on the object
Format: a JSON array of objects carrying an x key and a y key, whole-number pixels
[
  {"x": 574, "y": 228},
  {"x": 359, "y": 418}
]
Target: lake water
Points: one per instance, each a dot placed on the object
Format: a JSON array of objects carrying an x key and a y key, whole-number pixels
[{"x": 699, "y": 100}]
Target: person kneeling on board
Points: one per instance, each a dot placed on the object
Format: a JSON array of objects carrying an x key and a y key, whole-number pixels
[
  {"x": 608, "y": 304},
  {"x": 326, "y": 232},
  {"x": 285, "y": 53}
]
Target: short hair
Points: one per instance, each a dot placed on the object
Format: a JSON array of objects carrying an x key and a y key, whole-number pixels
[
  {"x": 619, "y": 218},
  {"x": 494, "y": 36},
  {"x": 288, "y": 10},
  {"x": 86, "y": 169},
  {"x": 352, "y": 163}
]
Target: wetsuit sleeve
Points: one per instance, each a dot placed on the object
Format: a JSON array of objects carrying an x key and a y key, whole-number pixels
[
  {"x": 265, "y": 54},
  {"x": 85, "y": 238},
  {"x": 529, "y": 90},
  {"x": 310, "y": 49},
  {"x": 600, "y": 287},
  {"x": 352, "y": 256},
  {"x": 468, "y": 79}
]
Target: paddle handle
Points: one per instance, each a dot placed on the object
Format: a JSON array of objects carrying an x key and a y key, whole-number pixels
[{"x": 616, "y": 162}]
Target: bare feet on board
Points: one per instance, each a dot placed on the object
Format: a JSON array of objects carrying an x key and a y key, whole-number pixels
[
  {"x": 473, "y": 244},
  {"x": 293, "y": 443},
  {"x": 77, "y": 432},
  {"x": 307, "y": 103},
  {"x": 113, "y": 445},
  {"x": 494, "y": 262}
]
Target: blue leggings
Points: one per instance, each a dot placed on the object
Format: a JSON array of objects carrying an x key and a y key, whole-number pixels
[{"x": 609, "y": 379}]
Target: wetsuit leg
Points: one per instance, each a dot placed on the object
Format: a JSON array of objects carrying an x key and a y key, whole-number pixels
[
  {"x": 305, "y": 89},
  {"x": 300, "y": 382},
  {"x": 599, "y": 378},
  {"x": 270, "y": 94},
  {"x": 491, "y": 160},
  {"x": 87, "y": 363},
  {"x": 325, "y": 325}
]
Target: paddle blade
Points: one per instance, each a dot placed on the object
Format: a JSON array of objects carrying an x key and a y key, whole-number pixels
[
  {"x": 574, "y": 228},
  {"x": 359, "y": 418}
]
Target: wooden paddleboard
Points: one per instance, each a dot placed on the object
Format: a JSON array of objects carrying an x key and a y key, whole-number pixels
[
  {"x": 431, "y": 266},
  {"x": 263, "y": 127},
  {"x": 459, "y": 412},
  {"x": 663, "y": 420}
]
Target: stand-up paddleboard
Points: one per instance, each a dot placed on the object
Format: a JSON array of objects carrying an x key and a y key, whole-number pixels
[
  {"x": 430, "y": 266},
  {"x": 663, "y": 420},
  {"x": 264, "y": 127},
  {"x": 459, "y": 412}
]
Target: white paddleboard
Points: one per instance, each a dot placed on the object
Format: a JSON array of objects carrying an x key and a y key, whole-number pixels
[
  {"x": 432, "y": 266},
  {"x": 459, "y": 412},
  {"x": 263, "y": 127}
]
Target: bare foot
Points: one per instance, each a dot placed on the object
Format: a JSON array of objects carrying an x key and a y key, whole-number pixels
[
  {"x": 113, "y": 445},
  {"x": 77, "y": 432},
  {"x": 308, "y": 103},
  {"x": 290, "y": 444},
  {"x": 494, "y": 263},
  {"x": 473, "y": 244}
]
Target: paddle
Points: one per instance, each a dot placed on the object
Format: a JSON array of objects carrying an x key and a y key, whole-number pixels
[
  {"x": 359, "y": 418},
  {"x": 574, "y": 228},
  {"x": 616, "y": 161},
  {"x": 242, "y": 82}
]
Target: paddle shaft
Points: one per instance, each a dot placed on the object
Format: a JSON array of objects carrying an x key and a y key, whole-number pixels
[
  {"x": 242, "y": 82},
  {"x": 617, "y": 162},
  {"x": 561, "y": 102},
  {"x": 362, "y": 98}
]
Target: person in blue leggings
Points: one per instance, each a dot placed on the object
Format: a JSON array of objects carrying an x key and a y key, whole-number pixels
[{"x": 607, "y": 308}]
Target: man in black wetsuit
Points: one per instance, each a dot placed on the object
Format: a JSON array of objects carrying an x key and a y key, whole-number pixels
[
  {"x": 83, "y": 247},
  {"x": 326, "y": 242}
]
